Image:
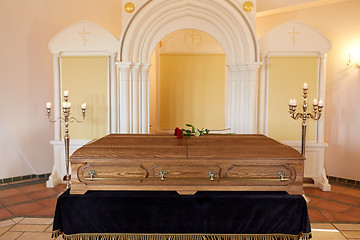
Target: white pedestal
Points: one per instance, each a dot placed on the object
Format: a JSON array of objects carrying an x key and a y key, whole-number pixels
[
  {"x": 314, "y": 166},
  {"x": 59, "y": 169}
]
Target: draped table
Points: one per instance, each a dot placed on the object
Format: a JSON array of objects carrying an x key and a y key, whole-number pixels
[{"x": 166, "y": 215}]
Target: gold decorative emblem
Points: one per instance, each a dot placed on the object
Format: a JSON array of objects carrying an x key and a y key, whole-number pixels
[
  {"x": 83, "y": 33},
  {"x": 293, "y": 35},
  {"x": 192, "y": 38},
  {"x": 129, "y": 7},
  {"x": 248, "y": 6}
]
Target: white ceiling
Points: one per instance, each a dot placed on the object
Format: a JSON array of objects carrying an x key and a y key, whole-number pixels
[{"x": 264, "y": 5}]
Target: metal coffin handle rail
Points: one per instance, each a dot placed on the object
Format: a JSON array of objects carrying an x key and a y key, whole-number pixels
[
  {"x": 162, "y": 174},
  {"x": 211, "y": 174}
]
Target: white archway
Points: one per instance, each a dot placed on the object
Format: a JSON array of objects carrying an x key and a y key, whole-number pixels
[{"x": 223, "y": 20}]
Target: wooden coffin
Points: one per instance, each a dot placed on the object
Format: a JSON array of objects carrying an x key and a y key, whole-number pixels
[{"x": 187, "y": 165}]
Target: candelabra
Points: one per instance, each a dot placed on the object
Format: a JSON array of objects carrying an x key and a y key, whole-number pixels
[
  {"x": 66, "y": 119},
  {"x": 316, "y": 114}
]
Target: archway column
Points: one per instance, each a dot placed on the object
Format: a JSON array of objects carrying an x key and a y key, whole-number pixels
[
  {"x": 134, "y": 97},
  {"x": 124, "y": 85},
  {"x": 144, "y": 98},
  {"x": 242, "y": 98}
]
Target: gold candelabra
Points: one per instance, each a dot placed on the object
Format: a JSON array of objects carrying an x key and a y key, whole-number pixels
[
  {"x": 316, "y": 114},
  {"x": 66, "y": 119}
]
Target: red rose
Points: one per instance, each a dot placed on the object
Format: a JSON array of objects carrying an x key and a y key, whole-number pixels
[{"x": 178, "y": 133}]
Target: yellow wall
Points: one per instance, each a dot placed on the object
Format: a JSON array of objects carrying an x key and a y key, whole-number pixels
[
  {"x": 287, "y": 76},
  {"x": 192, "y": 90},
  {"x": 86, "y": 80}
]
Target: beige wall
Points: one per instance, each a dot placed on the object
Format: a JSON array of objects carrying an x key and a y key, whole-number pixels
[
  {"x": 286, "y": 78},
  {"x": 339, "y": 22},
  {"x": 26, "y": 75},
  {"x": 86, "y": 79},
  {"x": 192, "y": 90}
]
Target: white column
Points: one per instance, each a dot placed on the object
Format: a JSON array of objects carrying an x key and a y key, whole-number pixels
[
  {"x": 113, "y": 95},
  {"x": 124, "y": 74},
  {"x": 144, "y": 75},
  {"x": 321, "y": 95},
  {"x": 263, "y": 95},
  {"x": 57, "y": 95},
  {"x": 253, "y": 87},
  {"x": 242, "y": 102},
  {"x": 135, "y": 69},
  {"x": 230, "y": 115}
]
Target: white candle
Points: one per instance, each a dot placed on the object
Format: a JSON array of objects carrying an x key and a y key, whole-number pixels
[
  {"x": 48, "y": 105},
  {"x": 66, "y": 93},
  {"x": 305, "y": 86},
  {"x": 321, "y": 103},
  {"x": 315, "y": 102},
  {"x": 83, "y": 106},
  {"x": 69, "y": 105},
  {"x": 294, "y": 102},
  {"x": 290, "y": 102},
  {"x": 64, "y": 105}
]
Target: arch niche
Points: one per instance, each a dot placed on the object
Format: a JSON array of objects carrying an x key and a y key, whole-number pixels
[{"x": 152, "y": 21}]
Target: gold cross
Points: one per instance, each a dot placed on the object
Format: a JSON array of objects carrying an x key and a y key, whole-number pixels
[
  {"x": 293, "y": 33},
  {"x": 83, "y": 33}
]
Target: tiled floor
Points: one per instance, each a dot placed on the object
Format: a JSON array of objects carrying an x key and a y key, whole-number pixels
[{"x": 26, "y": 212}]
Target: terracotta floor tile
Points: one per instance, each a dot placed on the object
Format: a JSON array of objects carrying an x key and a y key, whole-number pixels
[
  {"x": 332, "y": 206},
  {"x": 44, "y": 212},
  {"x": 43, "y": 193},
  {"x": 346, "y": 199},
  {"x": 9, "y": 192},
  {"x": 4, "y": 213},
  {"x": 315, "y": 215},
  {"x": 340, "y": 217},
  {"x": 49, "y": 202},
  {"x": 328, "y": 215},
  {"x": 11, "y": 200},
  {"x": 59, "y": 188},
  {"x": 355, "y": 211},
  {"x": 32, "y": 188},
  {"x": 313, "y": 201},
  {"x": 25, "y": 209},
  {"x": 352, "y": 192}
]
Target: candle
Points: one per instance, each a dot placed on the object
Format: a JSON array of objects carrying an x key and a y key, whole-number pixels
[
  {"x": 315, "y": 102},
  {"x": 83, "y": 106},
  {"x": 64, "y": 105},
  {"x": 69, "y": 105},
  {"x": 294, "y": 102},
  {"x": 321, "y": 103},
  {"x": 66, "y": 93},
  {"x": 48, "y": 105},
  {"x": 290, "y": 102},
  {"x": 305, "y": 86}
]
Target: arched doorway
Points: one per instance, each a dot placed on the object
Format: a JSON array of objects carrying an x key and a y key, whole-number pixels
[
  {"x": 187, "y": 82},
  {"x": 224, "y": 21}
]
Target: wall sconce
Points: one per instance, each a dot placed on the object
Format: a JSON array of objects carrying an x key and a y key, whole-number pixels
[{"x": 354, "y": 59}]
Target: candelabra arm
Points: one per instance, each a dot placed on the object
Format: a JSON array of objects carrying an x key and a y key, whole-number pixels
[
  {"x": 74, "y": 119},
  {"x": 57, "y": 119},
  {"x": 295, "y": 116}
]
